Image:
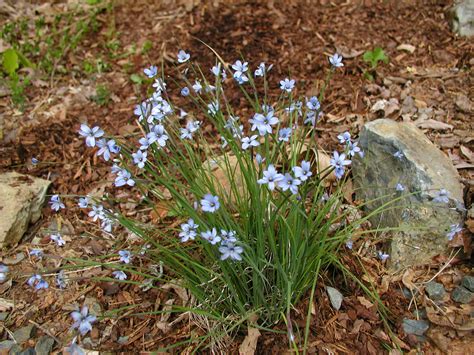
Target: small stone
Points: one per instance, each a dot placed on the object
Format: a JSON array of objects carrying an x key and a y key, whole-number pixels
[
  {"x": 435, "y": 291},
  {"x": 462, "y": 295},
  {"x": 6, "y": 345},
  {"x": 3, "y": 316},
  {"x": 122, "y": 340},
  {"x": 44, "y": 346},
  {"x": 468, "y": 282},
  {"x": 416, "y": 327},
  {"x": 94, "y": 306},
  {"x": 335, "y": 297},
  {"x": 463, "y": 18},
  {"x": 23, "y": 334}
]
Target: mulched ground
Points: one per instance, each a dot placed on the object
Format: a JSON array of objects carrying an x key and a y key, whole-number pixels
[{"x": 430, "y": 86}]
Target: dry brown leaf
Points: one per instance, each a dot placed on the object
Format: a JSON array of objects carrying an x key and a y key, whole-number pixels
[
  {"x": 365, "y": 302},
  {"x": 433, "y": 124},
  {"x": 6, "y": 305},
  {"x": 407, "y": 279},
  {"x": 467, "y": 153},
  {"x": 249, "y": 345},
  {"x": 450, "y": 319}
]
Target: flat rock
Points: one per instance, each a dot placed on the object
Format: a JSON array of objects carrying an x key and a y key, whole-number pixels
[
  {"x": 416, "y": 327},
  {"x": 423, "y": 170},
  {"x": 462, "y": 295},
  {"x": 335, "y": 297},
  {"x": 23, "y": 334},
  {"x": 468, "y": 282},
  {"x": 435, "y": 291},
  {"x": 44, "y": 345},
  {"x": 463, "y": 18},
  {"x": 21, "y": 202}
]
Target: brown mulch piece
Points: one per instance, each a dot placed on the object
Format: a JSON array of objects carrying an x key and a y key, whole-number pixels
[{"x": 431, "y": 86}]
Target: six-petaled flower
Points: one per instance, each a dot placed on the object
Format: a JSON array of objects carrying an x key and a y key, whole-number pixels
[
  {"x": 83, "y": 320},
  {"x": 210, "y": 203},
  {"x": 336, "y": 61},
  {"x": 90, "y": 134}
]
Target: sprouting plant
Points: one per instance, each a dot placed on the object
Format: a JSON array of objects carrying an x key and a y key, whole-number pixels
[
  {"x": 102, "y": 96},
  {"x": 373, "y": 58},
  {"x": 259, "y": 216}
]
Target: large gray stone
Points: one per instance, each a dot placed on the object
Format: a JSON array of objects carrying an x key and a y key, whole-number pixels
[
  {"x": 423, "y": 170},
  {"x": 21, "y": 199},
  {"x": 463, "y": 18}
]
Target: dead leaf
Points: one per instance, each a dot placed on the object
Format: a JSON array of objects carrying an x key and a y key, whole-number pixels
[
  {"x": 365, "y": 302},
  {"x": 406, "y": 47},
  {"x": 6, "y": 305},
  {"x": 433, "y": 124},
  {"x": 407, "y": 279},
  {"x": 467, "y": 153},
  {"x": 249, "y": 345}
]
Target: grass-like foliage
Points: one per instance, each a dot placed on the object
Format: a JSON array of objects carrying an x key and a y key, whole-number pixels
[{"x": 258, "y": 208}]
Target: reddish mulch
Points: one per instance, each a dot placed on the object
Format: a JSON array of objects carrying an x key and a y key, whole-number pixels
[{"x": 296, "y": 37}]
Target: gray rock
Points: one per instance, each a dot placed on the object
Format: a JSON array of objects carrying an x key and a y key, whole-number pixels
[
  {"x": 462, "y": 295},
  {"x": 463, "y": 18},
  {"x": 417, "y": 327},
  {"x": 335, "y": 297},
  {"x": 423, "y": 170},
  {"x": 21, "y": 202},
  {"x": 3, "y": 316},
  {"x": 23, "y": 334},
  {"x": 468, "y": 282},
  {"x": 435, "y": 291},
  {"x": 15, "y": 350},
  {"x": 44, "y": 345},
  {"x": 28, "y": 351},
  {"x": 6, "y": 345}
]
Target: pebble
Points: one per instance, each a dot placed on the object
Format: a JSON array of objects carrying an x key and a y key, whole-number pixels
[
  {"x": 435, "y": 290},
  {"x": 44, "y": 345},
  {"x": 417, "y": 327},
  {"x": 462, "y": 295},
  {"x": 335, "y": 297},
  {"x": 468, "y": 282},
  {"x": 23, "y": 334}
]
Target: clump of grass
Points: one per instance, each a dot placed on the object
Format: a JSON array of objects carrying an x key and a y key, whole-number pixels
[{"x": 259, "y": 213}]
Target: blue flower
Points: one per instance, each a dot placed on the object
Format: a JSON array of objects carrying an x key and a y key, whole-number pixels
[
  {"x": 213, "y": 108},
  {"x": 261, "y": 69},
  {"x": 159, "y": 85},
  {"x": 287, "y": 84},
  {"x": 211, "y": 236},
  {"x": 119, "y": 275},
  {"x": 229, "y": 250},
  {"x": 453, "y": 230},
  {"x": 61, "y": 280},
  {"x": 106, "y": 224},
  {"x": 354, "y": 148},
  {"x": 185, "y": 91},
  {"x": 313, "y": 103},
  {"x": 259, "y": 159},
  {"x": 197, "y": 87},
  {"x": 3, "y": 273},
  {"x": 38, "y": 253},
  {"x": 139, "y": 158},
  {"x": 107, "y": 148},
  {"x": 82, "y": 320},
  {"x": 284, "y": 134},
  {"x": 399, "y": 155},
  {"x": 34, "y": 161},
  {"x": 188, "y": 230},
  {"x": 400, "y": 187},
  {"x": 263, "y": 122},
  {"x": 97, "y": 212},
  {"x": 216, "y": 70},
  {"x": 250, "y": 142},
  {"x": 336, "y": 60},
  {"x": 124, "y": 178},
  {"x": 210, "y": 203},
  {"x": 442, "y": 196},
  {"x": 382, "y": 256},
  {"x": 91, "y": 134},
  {"x": 56, "y": 203},
  {"x": 83, "y": 202},
  {"x": 270, "y": 177},
  {"x": 349, "y": 244},
  {"x": 157, "y": 134},
  {"x": 151, "y": 71},
  {"x": 143, "y": 110},
  {"x": 289, "y": 182},
  {"x": 228, "y": 236},
  {"x": 58, "y": 239},
  {"x": 339, "y": 162},
  {"x": 303, "y": 172},
  {"x": 295, "y": 106},
  {"x": 240, "y": 68},
  {"x": 183, "y": 56},
  {"x": 344, "y": 138},
  {"x": 38, "y": 282},
  {"x": 125, "y": 256}
]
